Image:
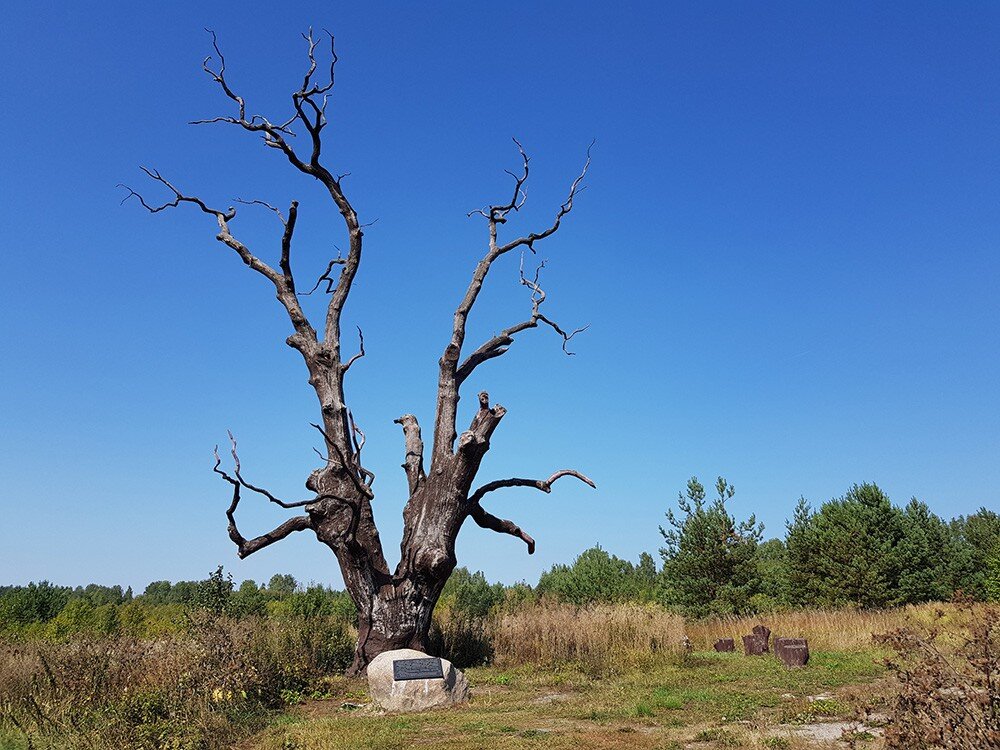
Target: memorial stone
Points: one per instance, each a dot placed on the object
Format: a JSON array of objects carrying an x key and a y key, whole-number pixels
[{"x": 409, "y": 680}]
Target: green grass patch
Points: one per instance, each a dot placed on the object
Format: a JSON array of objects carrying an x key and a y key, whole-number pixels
[{"x": 642, "y": 709}]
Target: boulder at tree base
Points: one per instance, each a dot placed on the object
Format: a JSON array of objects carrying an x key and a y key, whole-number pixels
[{"x": 414, "y": 695}]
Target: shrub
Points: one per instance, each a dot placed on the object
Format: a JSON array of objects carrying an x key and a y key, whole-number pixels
[
  {"x": 459, "y": 628},
  {"x": 948, "y": 692},
  {"x": 462, "y": 639}
]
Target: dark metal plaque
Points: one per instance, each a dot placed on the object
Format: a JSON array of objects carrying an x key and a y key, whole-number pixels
[{"x": 417, "y": 669}]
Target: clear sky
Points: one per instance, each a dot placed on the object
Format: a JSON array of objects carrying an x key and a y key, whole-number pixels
[{"x": 787, "y": 253}]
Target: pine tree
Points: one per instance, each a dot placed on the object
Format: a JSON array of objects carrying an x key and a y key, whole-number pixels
[
  {"x": 800, "y": 545},
  {"x": 773, "y": 571},
  {"x": 978, "y": 566},
  {"x": 709, "y": 560},
  {"x": 924, "y": 552},
  {"x": 847, "y": 552}
]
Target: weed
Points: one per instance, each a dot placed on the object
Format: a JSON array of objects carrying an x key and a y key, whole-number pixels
[
  {"x": 533, "y": 734},
  {"x": 721, "y": 736}
]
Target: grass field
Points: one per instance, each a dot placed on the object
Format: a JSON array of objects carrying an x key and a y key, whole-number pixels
[
  {"x": 614, "y": 677},
  {"x": 706, "y": 700}
]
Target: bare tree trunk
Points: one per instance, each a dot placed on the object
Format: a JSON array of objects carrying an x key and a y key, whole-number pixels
[{"x": 394, "y": 609}]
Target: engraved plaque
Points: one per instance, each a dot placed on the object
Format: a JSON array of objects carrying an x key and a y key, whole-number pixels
[{"x": 417, "y": 669}]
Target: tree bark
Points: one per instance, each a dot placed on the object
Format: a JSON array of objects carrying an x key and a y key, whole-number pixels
[{"x": 394, "y": 608}]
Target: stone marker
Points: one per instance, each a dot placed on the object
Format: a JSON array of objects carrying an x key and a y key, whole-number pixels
[
  {"x": 399, "y": 681},
  {"x": 795, "y": 656},
  {"x": 781, "y": 649},
  {"x": 725, "y": 644},
  {"x": 764, "y": 633},
  {"x": 754, "y": 645},
  {"x": 780, "y": 643}
]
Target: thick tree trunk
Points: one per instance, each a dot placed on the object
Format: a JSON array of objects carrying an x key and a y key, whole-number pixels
[
  {"x": 395, "y": 611},
  {"x": 397, "y": 617}
]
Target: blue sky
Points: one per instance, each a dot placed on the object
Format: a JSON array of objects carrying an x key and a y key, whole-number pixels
[{"x": 787, "y": 253}]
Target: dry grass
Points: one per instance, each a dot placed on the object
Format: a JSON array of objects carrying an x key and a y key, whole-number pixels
[
  {"x": 202, "y": 689},
  {"x": 599, "y": 638},
  {"x": 118, "y": 692},
  {"x": 826, "y": 629}
]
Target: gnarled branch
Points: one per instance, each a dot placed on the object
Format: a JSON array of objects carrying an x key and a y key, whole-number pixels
[
  {"x": 222, "y": 216},
  {"x": 286, "y": 238},
  {"x": 358, "y": 440},
  {"x": 500, "y": 525},
  {"x": 545, "y": 485},
  {"x": 253, "y": 488},
  {"x": 361, "y": 351},
  {"x": 325, "y": 276},
  {"x": 451, "y": 376},
  {"x": 244, "y": 546},
  {"x": 311, "y": 113},
  {"x": 274, "y": 209},
  {"x": 305, "y": 337},
  {"x": 502, "y": 341},
  {"x": 567, "y": 206}
]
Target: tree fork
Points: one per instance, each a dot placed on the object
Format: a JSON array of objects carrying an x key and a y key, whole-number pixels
[{"x": 394, "y": 609}]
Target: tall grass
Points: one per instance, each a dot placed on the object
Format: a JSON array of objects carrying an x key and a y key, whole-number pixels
[
  {"x": 826, "y": 629},
  {"x": 600, "y": 638},
  {"x": 203, "y": 689}
]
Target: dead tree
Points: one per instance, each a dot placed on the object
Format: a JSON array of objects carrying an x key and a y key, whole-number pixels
[{"x": 394, "y": 608}]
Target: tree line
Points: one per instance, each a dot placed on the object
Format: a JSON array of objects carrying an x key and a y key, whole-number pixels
[
  {"x": 856, "y": 550},
  {"x": 49, "y": 611}
]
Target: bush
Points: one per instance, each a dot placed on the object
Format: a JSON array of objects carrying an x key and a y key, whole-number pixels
[
  {"x": 949, "y": 692},
  {"x": 79, "y": 616},
  {"x": 462, "y": 639},
  {"x": 458, "y": 631}
]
